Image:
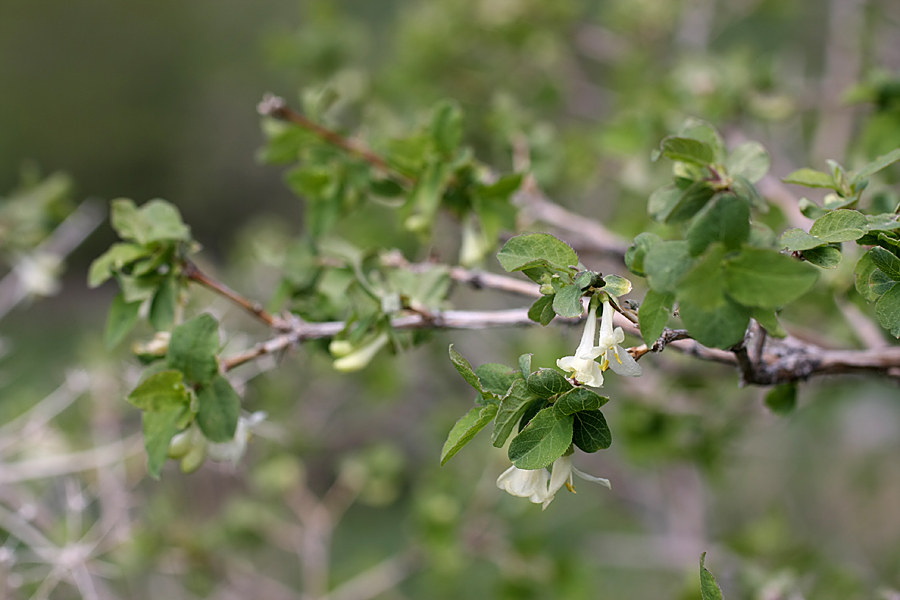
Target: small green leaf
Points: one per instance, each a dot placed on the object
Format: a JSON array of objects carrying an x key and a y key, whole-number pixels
[
  {"x": 810, "y": 209},
  {"x": 863, "y": 271},
  {"x": 690, "y": 202},
  {"x": 161, "y": 392},
  {"x": 533, "y": 249},
  {"x": 163, "y": 222},
  {"x": 616, "y": 285},
  {"x": 466, "y": 428},
  {"x": 542, "y": 310},
  {"x": 884, "y": 222},
  {"x": 567, "y": 302},
  {"x": 159, "y": 429},
  {"x": 193, "y": 348},
  {"x": 546, "y": 437},
  {"x": 825, "y": 257},
  {"x": 662, "y": 202},
  {"x": 162, "y": 308},
  {"x": 112, "y": 260},
  {"x": 653, "y": 315},
  {"x": 698, "y": 129},
  {"x": 512, "y": 408},
  {"x": 782, "y": 399},
  {"x": 122, "y": 319},
  {"x": 769, "y": 321},
  {"x": 634, "y": 256},
  {"x": 590, "y": 431},
  {"x": 880, "y": 283},
  {"x": 666, "y": 263},
  {"x": 503, "y": 188},
  {"x": 219, "y": 408},
  {"x": 547, "y": 383},
  {"x": 465, "y": 369},
  {"x": 525, "y": 364},
  {"x": 767, "y": 278},
  {"x": 887, "y": 309},
  {"x": 709, "y": 588},
  {"x": 496, "y": 378},
  {"x": 721, "y": 327},
  {"x": 810, "y": 178},
  {"x": 797, "y": 239},
  {"x": 749, "y": 160},
  {"x": 703, "y": 286},
  {"x": 689, "y": 150},
  {"x": 886, "y": 261},
  {"x": 578, "y": 399},
  {"x": 447, "y": 127},
  {"x": 878, "y": 164},
  {"x": 726, "y": 219},
  {"x": 840, "y": 226}
]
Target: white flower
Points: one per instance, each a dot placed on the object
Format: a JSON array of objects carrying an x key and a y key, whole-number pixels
[
  {"x": 531, "y": 484},
  {"x": 562, "y": 476},
  {"x": 234, "y": 450},
  {"x": 615, "y": 357},
  {"x": 359, "y": 358},
  {"x": 539, "y": 486},
  {"x": 582, "y": 365},
  {"x": 39, "y": 274}
]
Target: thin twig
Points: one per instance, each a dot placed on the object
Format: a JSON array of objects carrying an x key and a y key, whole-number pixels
[{"x": 193, "y": 273}]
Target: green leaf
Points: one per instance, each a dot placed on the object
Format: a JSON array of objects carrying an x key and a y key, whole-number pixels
[
  {"x": 653, "y": 315},
  {"x": 761, "y": 235},
  {"x": 887, "y": 262},
  {"x": 503, "y": 188},
  {"x": 590, "y": 431},
  {"x": 162, "y": 308},
  {"x": 690, "y": 202},
  {"x": 525, "y": 364},
  {"x": 126, "y": 220},
  {"x": 496, "y": 378},
  {"x": 782, "y": 399},
  {"x": 531, "y": 410},
  {"x": 709, "y": 588},
  {"x": 512, "y": 408},
  {"x": 532, "y": 249},
  {"x": 840, "y": 226},
  {"x": 112, "y": 260},
  {"x": 578, "y": 399},
  {"x": 447, "y": 127},
  {"x": 887, "y": 309},
  {"x": 159, "y": 429},
  {"x": 547, "y": 383},
  {"x": 810, "y": 209},
  {"x": 880, "y": 283},
  {"x": 703, "y": 286},
  {"x": 616, "y": 285},
  {"x": 863, "y": 271},
  {"x": 726, "y": 219},
  {"x": 698, "y": 129},
  {"x": 721, "y": 327},
  {"x": 546, "y": 437},
  {"x": 542, "y": 310},
  {"x": 884, "y": 222},
  {"x": 878, "y": 164},
  {"x": 749, "y": 160},
  {"x": 161, "y": 392},
  {"x": 466, "y": 428},
  {"x": 634, "y": 256},
  {"x": 666, "y": 263},
  {"x": 163, "y": 222},
  {"x": 662, "y": 201},
  {"x": 689, "y": 150},
  {"x": 218, "y": 411},
  {"x": 464, "y": 368},
  {"x": 193, "y": 348},
  {"x": 767, "y": 278},
  {"x": 826, "y": 257},
  {"x": 121, "y": 319},
  {"x": 769, "y": 321},
  {"x": 810, "y": 178},
  {"x": 797, "y": 239},
  {"x": 567, "y": 301}
]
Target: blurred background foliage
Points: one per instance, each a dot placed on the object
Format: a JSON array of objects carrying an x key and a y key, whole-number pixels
[{"x": 341, "y": 489}]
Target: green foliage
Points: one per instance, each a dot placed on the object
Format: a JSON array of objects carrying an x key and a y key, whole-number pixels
[
  {"x": 193, "y": 349},
  {"x": 782, "y": 399},
  {"x": 709, "y": 587},
  {"x": 546, "y": 437},
  {"x": 218, "y": 410}
]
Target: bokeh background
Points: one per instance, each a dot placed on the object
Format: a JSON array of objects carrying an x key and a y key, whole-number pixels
[{"x": 341, "y": 495}]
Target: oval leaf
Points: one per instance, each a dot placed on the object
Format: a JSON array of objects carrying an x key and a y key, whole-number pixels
[
  {"x": 546, "y": 437},
  {"x": 219, "y": 408}
]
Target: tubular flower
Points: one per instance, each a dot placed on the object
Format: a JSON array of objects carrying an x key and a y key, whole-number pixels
[
  {"x": 582, "y": 366},
  {"x": 531, "y": 484},
  {"x": 234, "y": 450},
  {"x": 359, "y": 358},
  {"x": 562, "y": 476},
  {"x": 615, "y": 357}
]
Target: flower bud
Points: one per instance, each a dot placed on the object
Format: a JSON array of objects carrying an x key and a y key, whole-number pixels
[{"x": 361, "y": 357}]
